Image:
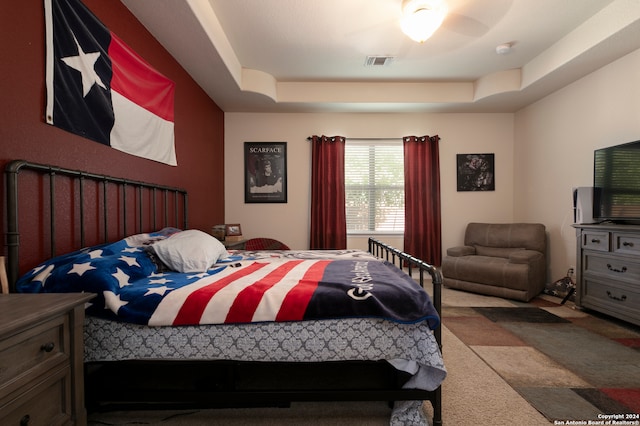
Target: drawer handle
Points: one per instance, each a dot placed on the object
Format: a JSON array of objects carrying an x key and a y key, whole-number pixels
[
  {"x": 627, "y": 244},
  {"x": 24, "y": 421},
  {"x": 620, "y": 299},
  {"x": 48, "y": 347},
  {"x": 595, "y": 241},
  {"x": 612, "y": 269}
]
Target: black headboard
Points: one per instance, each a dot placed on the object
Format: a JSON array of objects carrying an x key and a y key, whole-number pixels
[{"x": 94, "y": 207}]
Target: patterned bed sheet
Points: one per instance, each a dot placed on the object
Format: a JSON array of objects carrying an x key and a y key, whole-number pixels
[{"x": 409, "y": 347}]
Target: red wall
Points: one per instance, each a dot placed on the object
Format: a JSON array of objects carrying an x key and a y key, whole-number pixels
[{"x": 199, "y": 123}]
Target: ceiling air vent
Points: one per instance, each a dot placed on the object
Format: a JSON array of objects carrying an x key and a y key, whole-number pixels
[{"x": 377, "y": 61}]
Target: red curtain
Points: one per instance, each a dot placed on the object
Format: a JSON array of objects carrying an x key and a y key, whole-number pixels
[
  {"x": 328, "y": 213},
  {"x": 422, "y": 233}
]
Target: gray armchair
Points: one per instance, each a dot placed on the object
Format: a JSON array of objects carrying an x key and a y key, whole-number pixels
[{"x": 503, "y": 260}]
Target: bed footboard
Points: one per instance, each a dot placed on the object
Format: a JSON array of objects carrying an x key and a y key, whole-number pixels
[{"x": 410, "y": 263}]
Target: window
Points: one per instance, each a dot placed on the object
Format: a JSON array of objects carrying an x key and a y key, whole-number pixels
[{"x": 374, "y": 186}]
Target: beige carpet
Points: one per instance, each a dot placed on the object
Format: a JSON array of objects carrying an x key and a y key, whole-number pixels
[{"x": 480, "y": 398}]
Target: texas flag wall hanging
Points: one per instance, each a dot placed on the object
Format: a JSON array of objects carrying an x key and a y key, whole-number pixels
[{"x": 98, "y": 88}]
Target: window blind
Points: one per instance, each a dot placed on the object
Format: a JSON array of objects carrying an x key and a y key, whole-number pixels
[{"x": 374, "y": 186}]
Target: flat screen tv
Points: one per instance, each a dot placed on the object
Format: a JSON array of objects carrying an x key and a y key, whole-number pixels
[{"x": 616, "y": 183}]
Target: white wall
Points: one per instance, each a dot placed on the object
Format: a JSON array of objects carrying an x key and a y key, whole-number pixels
[
  {"x": 460, "y": 133},
  {"x": 542, "y": 152},
  {"x": 555, "y": 140}
]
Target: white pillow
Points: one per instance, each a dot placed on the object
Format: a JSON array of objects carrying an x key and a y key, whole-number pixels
[{"x": 190, "y": 251}]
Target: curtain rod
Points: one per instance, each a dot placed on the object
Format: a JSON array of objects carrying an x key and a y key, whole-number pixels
[
  {"x": 366, "y": 139},
  {"x": 309, "y": 138}
]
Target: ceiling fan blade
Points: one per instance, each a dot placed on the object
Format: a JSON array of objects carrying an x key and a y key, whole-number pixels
[
  {"x": 464, "y": 25},
  {"x": 472, "y": 18}
]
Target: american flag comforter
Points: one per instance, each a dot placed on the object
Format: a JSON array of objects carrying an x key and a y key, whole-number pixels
[{"x": 131, "y": 286}]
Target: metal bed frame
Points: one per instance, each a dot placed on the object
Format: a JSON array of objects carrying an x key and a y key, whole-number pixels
[
  {"x": 177, "y": 198},
  {"x": 170, "y": 195},
  {"x": 405, "y": 261}
]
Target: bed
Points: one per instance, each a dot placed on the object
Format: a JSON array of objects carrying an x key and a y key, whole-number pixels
[{"x": 178, "y": 351}]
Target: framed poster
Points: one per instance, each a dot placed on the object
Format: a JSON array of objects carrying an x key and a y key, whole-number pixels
[
  {"x": 476, "y": 172},
  {"x": 265, "y": 172}
]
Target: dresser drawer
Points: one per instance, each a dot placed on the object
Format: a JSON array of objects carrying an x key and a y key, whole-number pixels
[
  {"x": 595, "y": 240},
  {"x": 32, "y": 352},
  {"x": 626, "y": 243},
  {"x": 48, "y": 402},
  {"x": 608, "y": 258},
  {"x": 41, "y": 371},
  {"x": 614, "y": 298},
  {"x": 614, "y": 267}
]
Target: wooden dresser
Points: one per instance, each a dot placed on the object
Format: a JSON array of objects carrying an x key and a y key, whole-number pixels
[
  {"x": 41, "y": 354},
  {"x": 608, "y": 270}
]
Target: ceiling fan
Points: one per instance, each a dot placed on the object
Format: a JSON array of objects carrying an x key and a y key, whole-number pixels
[{"x": 462, "y": 23}]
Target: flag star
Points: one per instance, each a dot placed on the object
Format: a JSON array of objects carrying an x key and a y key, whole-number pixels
[
  {"x": 81, "y": 268},
  {"x": 158, "y": 290},
  {"x": 154, "y": 275},
  {"x": 200, "y": 275},
  {"x": 112, "y": 301},
  {"x": 131, "y": 249},
  {"x": 131, "y": 261},
  {"x": 159, "y": 281},
  {"x": 95, "y": 254},
  {"x": 85, "y": 63},
  {"x": 123, "y": 279},
  {"x": 38, "y": 269},
  {"x": 43, "y": 274}
]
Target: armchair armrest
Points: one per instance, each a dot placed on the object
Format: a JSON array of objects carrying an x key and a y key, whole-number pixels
[
  {"x": 461, "y": 251},
  {"x": 524, "y": 256}
]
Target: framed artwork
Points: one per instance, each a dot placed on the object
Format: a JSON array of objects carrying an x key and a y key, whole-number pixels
[
  {"x": 265, "y": 172},
  {"x": 476, "y": 172},
  {"x": 233, "y": 229}
]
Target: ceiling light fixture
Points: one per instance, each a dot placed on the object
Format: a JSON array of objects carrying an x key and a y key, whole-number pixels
[
  {"x": 504, "y": 48},
  {"x": 421, "y": 18}
]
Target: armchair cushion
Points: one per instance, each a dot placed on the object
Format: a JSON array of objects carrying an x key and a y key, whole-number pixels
[
  {"x": 525, "y": 256},
  {"x": 505, "y": 252},
  {"x": 461, "y": 251},
  {"x": 505, "y": 260}
]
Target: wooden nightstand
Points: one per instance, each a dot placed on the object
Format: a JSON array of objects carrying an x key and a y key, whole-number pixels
[
  {"x": 41, "y": 359},
  {"x": 234, "y": 245}
]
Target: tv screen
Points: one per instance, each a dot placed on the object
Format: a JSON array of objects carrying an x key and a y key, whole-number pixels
[{"x": 616, "y": 183}]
